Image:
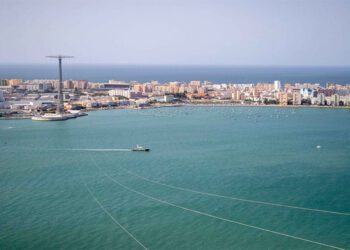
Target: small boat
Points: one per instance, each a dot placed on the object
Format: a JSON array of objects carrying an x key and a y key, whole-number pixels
[{"x": 139, "y": 148}]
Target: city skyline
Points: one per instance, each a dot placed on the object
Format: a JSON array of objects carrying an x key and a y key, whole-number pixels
[{"x": 253, "y": 33}]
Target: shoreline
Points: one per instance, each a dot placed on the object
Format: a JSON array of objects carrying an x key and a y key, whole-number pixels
[
  {"x": 265, "y": 105},
  {"x": 192, "y": 105}
]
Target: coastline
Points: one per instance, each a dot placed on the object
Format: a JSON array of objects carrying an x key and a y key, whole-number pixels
[
  {"x": 25, "y": 117},
  {"x": 266, "y": 105}
]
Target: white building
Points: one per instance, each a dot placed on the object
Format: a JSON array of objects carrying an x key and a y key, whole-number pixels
[
  {"x": 277, "y": 85},
  {"x": 335, "y": 100},
  {"x": 168, "y": 98},
  {"x": 296, "y": 98},
  {"x": 321, "y": 99},
  {"x": 130, "y": 94},
  {"x": 307, "y": 92},
  {"x": 39, "y": 87},
  {"x": 21, "y": 105}
]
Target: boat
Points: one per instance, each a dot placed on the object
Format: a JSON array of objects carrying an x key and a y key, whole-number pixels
[
  {"x": 139, "y": 148},
  {"x": 57, "y": 117},
  {"x": 50, "y": 117}
]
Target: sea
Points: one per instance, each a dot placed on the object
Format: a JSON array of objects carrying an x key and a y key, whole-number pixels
[
  {"x": 166, "y": 73},
  {"x": 215, "y": 178}
]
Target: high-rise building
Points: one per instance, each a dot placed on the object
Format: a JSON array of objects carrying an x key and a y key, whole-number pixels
[
  {"x": 14, "y": 82},
  {"x": 321, "y": 99},
  {"x": 236, "y": 95},
  {"x": 277, "y": 85},
  {"x": 68, "y": 84},
  {"x": 335, "y": 100},
  {"x": 81, "y": 84},
  {"x": 4, "y": 82},
  {"x": 283, "y": 99},
  {"x": 296, "y": 98}
]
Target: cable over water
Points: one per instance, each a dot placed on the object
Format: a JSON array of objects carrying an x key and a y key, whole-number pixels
[
  {"x": 210, "y": 215},
  {"x": 110, "y": 215},
  {"x": 232, "y": 197}
]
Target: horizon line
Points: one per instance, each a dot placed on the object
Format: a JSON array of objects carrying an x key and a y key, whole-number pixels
[{"x": 180, "y": 65}]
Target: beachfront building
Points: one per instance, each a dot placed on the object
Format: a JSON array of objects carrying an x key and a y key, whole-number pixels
[
  {"x": 296, "y": 98},
  {"x": 277, "y": 85},
  {"x": 283, "y": 99},
  {"x": 321, "y": 99},
  {"x": 345, "y": 100},
  {"x": 236, "y": 95},
  {"x": 307, "y": 93},
  {"x": 168, "y": 98},
  {"x": 335, "y": 100}
]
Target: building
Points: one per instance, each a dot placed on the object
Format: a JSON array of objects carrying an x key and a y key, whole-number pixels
[
  {"x": 2, "y": 98},
  {"x": 283, "y": 99},
  {"x": 195, "y": 83},
  {"x": 127, "y": 93},
  {"x": 307, "y": 92},
  {"x": 168, "y": 98},
  {"x": 68, "y": 84},
  {"x": 335, "y": 100},
  {"x": 21, "y": 105},
  {"x": 236, "y": 95},
  {"x": 296, "y": 98},
  {"x": 4, "y": 83},
  {"x": 41, "y": 87},
  {"x": 277, "y": 85},
  {"x": 138, "y": 87},
  {"x": 3, "y": 103},
  {"x": 81, "y": 84},
  {"x": 112, "y": 84},
  {"x": 14, "y": 82},
  {"x": 321, "y": 99},
  {"x": 345, "y": 100}
]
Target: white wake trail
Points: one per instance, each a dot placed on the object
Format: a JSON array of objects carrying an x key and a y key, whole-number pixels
[{"x": 102, "y": 149}]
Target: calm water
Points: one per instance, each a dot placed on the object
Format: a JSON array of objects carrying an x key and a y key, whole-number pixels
[
  {"x": 56, "y": 195},
  {"x": 216, "y": 74}
]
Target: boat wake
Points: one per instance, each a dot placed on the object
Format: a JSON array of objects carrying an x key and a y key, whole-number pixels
[{"x": 102, "y": 149}]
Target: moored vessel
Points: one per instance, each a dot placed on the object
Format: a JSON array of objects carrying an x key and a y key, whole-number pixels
[
  {"x": 57, "y": 117},
  {"x": 50, "y": 117}
]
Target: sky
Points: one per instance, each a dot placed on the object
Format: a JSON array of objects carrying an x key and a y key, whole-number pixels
[{"x": 177, "y": 32}]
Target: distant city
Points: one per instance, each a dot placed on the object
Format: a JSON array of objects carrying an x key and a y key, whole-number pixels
[{"x": 26, "y": 98}]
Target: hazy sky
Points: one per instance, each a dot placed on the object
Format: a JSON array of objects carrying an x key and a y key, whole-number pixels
[{"x": 242, "y": 32}]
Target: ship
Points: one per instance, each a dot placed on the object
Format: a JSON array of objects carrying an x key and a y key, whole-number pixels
[
  {"x": 50, "y": 117},
  {"x": 139, "y": 148},
  {"x": 57, "y": 117}
]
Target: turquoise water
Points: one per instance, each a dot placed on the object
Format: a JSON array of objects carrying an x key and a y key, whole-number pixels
[{"x": 54, "y": 194}]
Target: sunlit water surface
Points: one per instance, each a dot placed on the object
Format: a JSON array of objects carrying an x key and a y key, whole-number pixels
[{"x": 55, "y": 194}]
